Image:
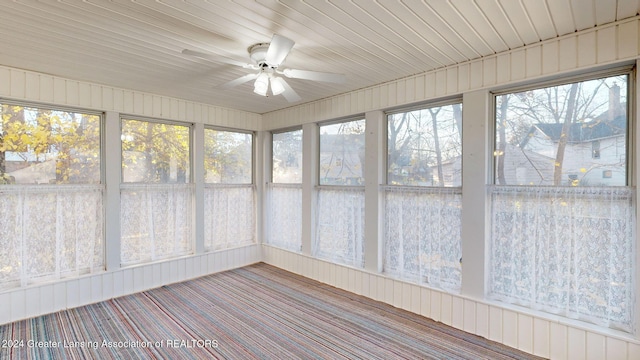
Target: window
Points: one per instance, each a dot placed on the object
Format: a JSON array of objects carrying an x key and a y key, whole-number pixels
[
  {"x": 285, "y": 191},
  {"x": 287, "y": 157},
  {"x": 423, "y": 197},
  {"x": 156, "y": 196},
  {"x": 51, "y": 194},
  {"x": 566, "y": 247},
  {"x": 340, "y": 218},
  {"x": 229, "y": 191},
  {"x": 342, "y": 153},
  {"x": 424, "y": 147}
]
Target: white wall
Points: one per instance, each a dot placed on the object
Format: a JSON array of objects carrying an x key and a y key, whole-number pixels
[{"x": 531, "y": 331}]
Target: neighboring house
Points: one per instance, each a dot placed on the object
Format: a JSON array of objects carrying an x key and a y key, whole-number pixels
[
  {"x": 342, "y": 159},
  {"x": 594, "y": 154}
]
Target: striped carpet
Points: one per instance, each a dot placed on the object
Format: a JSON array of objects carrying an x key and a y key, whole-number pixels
[{"x": 256, "y": 312}]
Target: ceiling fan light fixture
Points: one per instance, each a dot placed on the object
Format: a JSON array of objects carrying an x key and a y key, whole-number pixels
[
  {"x": 261, "y": 85},
  {"x": 277, "y": 87}
]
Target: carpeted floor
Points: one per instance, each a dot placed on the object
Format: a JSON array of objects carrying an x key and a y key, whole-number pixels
[{"x": 256, "y": 312}]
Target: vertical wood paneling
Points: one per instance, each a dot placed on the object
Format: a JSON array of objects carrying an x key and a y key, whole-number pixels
[
  {"x": 510, "y": 328},
  {"x": 73, "y": 297},
  {"x": 489, "y": 71},
  {"x": 606, "y": 45},
  {"x": 96, "y": 97},
  {"x": 463, "y": 77},
  {"x": 32, "y": 86},
  {"x": 5, "y": 82},
  {"x": 446, "y": 308},
  {"x": 541, "y": 337},
  {"x": 525, "y": 333},
  {"x": 628, "y": 39},
  {"x": 107, "y": 286},
  {"x": 419, "y": 87},
  {"x": 617, "y": 350},
  {"x": 138, "y": 278},
  {"x": 118, "y": 283},
  {"x": 73, "y": 93},
  {"x": 139, "y": 104},
  {"x": 127, "y": 281},
  {"x": 389, "y": 290},
  {"x": 495, "y": 324},
  {"x": 32, "y": 302},
  {"x": 415, "y": 299},
  {"x": 457, "y": 313},
  {"x": 107, "y": 99},
  {"x": 470, "y": 316},
  {"x": 436, "y": 300},
  {"x": 5, "y": 310},
  {"x": 441, "y": 82},
  {"x": 425, "y": 302},
  {"x": 452, "y": 80},
  {"x": 558, "y": 341},
  {"x": 46, "y": 299},
  {"x": 406, "y": 295},
  {"x": 533, "y": 60},
  {"x": 587, "y": 48},
  {"x": 59, "y": 91},
  {"x": 503, "y": 62},
  {"x": 95, "y": 289},
  {"x": 18, "y": 308},
  {"x": 84, "y": 95},
  {"x": 595, "y": 346},
  {"x": 365, "y": 289},
  {"x": 550, "y": 57},
  {"x": 482, "y": 320},
  {"x": 17, "y": 84},
  {"x": 576, "y": 343},
  {"x": 568, "y": 58},
  {"x": 430, "y": 85},
  {"x": 118, "y": 100},
  {"x": 633, "y": 351},
  {"x": 518, "y": 65}
]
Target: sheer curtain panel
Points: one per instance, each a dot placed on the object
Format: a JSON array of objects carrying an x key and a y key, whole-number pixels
[
  {"x": 50, "y": 232},
  {"x": 422, "y": 235},
  {"x": 340, "y": 225},
  {"x": 285, "y": 216},
  {"x": 156, "y": 221},
  {"x": 229, "y": 216},
  {"x": 565, "y": 250}
]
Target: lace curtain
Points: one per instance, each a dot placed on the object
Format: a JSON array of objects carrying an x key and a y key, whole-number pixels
[
  {"x": 49, "y": 232},
  {"x": 229, "y": 216},
  {"x": 567, "y": 250},
  {"x": 422, "y": 240},
  {"x": 340, "y": 225},
  {"x": 285, "y": 216},
  {"x": 156, "y": 221}
]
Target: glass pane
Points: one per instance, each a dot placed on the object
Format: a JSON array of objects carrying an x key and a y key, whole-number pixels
[
  {"x": 287, "y": 157},
  {"x": 425, "y": 148},
  {"x": 227, "y": 157},
  {"x": 42, "y": 146},
  {"x": 154, "y": 152},
  {"x": 566, "y": 135},
  {"x": 342, "y": 153}
]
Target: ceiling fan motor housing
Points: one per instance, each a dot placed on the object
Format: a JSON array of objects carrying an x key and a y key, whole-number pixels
[{"x": 258, "y": 54}]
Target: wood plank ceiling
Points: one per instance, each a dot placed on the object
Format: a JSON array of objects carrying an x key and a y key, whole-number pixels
[{"x": 137, "y": 44}]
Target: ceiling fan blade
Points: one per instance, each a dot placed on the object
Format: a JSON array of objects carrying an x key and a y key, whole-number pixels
[
  {"x": 289, "y": 93},
  {"x": 278, "y": 49},
  {"x": 315, "y": 75},
  {"x": 238, "y": 81},
  {"x": 217, "y": 58}
]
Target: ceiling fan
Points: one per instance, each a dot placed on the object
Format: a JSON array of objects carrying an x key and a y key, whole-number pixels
[{"x": 267, "y": 58}]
